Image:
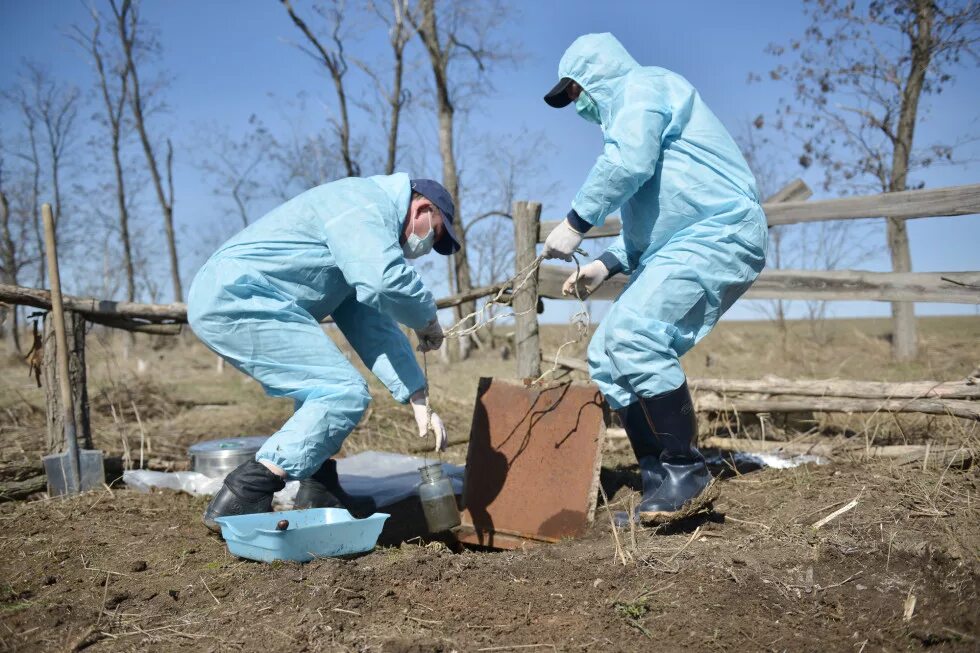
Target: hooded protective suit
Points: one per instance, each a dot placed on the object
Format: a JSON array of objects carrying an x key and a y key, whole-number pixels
[
  {"x": 258, "y": 301},
  {"x": 694, "y": 235}
]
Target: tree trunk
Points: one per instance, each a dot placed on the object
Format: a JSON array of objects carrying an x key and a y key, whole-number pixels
[
  {"x": 904, "y": 336},
  {"x": 126, "y": 23},
  {"x": 8, "y": 260},
  {"x": 396, "y": 110},
  {"x": 75, "y": 330},
  {"x": 429, "y": 33}
]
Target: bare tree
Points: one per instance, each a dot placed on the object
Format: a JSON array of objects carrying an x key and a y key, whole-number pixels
[
  {"x": 334, "y": 59},
  {"x": 113, "y": 83},
  {"x": 8, "y": 269},
  {"x": 32, "y": 158},
  {"x": 460, "y": 32},
  {"x": 233, "y": 164},
  {"x": 56, "y": 107},
  {"x": 395, "y": 96},
  {"x": 858, "y": 75},
  {"x": 48, "y": 111},
  {"x": 130, "y": 30}
]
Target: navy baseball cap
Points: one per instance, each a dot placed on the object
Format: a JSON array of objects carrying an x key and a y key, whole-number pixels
[
  {"x": 437, "y": 194},
  {"x": 558, "y": 96}
]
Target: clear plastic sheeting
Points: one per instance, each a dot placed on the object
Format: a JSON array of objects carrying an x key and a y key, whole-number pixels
[
  {"x": 776, "y": 461},
  {"x": 194, "y": 483},
  {"x": 386, "y": 477}
]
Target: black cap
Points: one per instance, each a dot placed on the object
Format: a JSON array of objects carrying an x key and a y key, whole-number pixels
[
  {"x": 557, "y": 96},
  {"x": 437, "y": 194}
]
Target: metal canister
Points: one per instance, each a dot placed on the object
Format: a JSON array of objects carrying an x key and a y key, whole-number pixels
[
  {"x": 438, "y": 499},
  {"x": 215, "y": 458}
]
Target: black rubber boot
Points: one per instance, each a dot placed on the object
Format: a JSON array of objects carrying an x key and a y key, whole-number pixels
[
  {"x": 646, "y": 447},
  {"x": 248, "y": 489},
  {"x": 322, "y": 490},
  {"x": 686, "y": 478}
]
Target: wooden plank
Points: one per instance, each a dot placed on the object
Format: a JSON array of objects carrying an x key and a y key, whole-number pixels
[
  {"x": 929, "y": 203},
  {"x": 844, "y": 285}
]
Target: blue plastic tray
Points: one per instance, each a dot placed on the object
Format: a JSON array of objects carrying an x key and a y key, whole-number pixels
[{"x": 313, "y": 533}]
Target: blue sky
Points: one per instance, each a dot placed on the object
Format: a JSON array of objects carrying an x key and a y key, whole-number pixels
[{"x": 230, "y": 59}]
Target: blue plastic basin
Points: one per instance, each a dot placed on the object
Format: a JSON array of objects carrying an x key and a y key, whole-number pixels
[{"x": 312, "y": 533}]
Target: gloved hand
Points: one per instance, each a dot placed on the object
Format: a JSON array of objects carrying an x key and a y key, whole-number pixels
[
  {"x": 430, "y": 336},
  {"x": 588, "y": 278},
  {"x": 562, "y": 242},
  {"x": 426, "y": 419}
]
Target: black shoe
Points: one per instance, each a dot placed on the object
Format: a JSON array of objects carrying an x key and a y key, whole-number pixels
[
  {"x": 686, "y": 480},
  {"x": 247, "y": 490},
  {"x": 322, "y": 490}
]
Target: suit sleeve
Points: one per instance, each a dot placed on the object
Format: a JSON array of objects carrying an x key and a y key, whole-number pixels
[
  {"x": 629, "y": 157},
  {"x": 615, "y": 259},
  {"x": 371, "y": 260},
  {"x": 382, "y": 347}
]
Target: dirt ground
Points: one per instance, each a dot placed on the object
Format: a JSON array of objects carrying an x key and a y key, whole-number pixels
[{"x": 117, "y": 570}]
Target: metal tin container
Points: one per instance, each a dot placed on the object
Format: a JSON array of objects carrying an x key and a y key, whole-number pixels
[{"x": 215, "y": 458}]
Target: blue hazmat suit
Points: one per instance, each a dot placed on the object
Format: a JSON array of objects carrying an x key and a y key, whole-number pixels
[
  {"x": 258, "y": 302},
  {"x": 694, "y": 236}
]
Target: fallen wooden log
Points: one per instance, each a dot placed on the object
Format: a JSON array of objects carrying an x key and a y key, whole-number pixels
[
  {"x": 920, "y": 396},
  {"x": 798, "y": 404},
  {"x": 842, "y": 388},
  {"x": 902, "y": 453},
  {"x": 16, "y": 490}
]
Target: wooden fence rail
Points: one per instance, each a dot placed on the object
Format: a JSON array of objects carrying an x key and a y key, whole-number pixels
[
  {"x": 945, "y": 287},
  {"x": 910, "y": 204},
  {"x": 786, "y": 207},
  {"x": 158, "y": 318}
]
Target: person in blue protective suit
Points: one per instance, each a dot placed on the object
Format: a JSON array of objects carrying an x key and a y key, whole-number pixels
[
  {"x": 336, "y": 250},
  {"x": 693, "y": 240}
]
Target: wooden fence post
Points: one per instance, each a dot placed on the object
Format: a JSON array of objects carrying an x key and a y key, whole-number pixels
[
  {"x": 75, "y": 328},
  {"x": 527, "y": 344}
]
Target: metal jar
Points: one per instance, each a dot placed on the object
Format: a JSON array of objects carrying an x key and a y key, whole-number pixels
[{"x": 215, "y": 458}]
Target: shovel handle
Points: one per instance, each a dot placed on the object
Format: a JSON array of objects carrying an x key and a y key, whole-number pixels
[{"x": 61, "y": 338}]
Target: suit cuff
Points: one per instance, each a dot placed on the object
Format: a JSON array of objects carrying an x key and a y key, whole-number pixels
[
  {"x": 611, "y": 262},
  {"x": 578, "y": 224}
]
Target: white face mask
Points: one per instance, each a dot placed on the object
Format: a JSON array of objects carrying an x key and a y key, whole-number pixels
[{"x": 416, "y": 246}]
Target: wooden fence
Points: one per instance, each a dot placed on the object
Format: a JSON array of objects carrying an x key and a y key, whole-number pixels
[{"x": 786, "y": 207}]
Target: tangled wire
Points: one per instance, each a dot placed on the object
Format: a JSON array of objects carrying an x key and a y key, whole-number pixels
[{"x": 581, "y": 321}]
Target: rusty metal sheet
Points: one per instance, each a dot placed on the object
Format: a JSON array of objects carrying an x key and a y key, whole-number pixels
[{"x": 532, "y": 468}]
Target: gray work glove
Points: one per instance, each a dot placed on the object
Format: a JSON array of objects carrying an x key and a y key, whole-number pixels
[
  {"x": 587, "y": 278},
  {"x": 426, "y": 419},
  {"x": 430, "y": 336},
  {"x": 562, "y": 242}
]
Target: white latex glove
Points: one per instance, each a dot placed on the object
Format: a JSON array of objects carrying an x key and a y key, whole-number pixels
[
  {"x": 430, "y": 336},
  {"x": 588, "y": 278},
  {"x": 426, "y": 419},
  {"x": 562, "y": 242}
]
